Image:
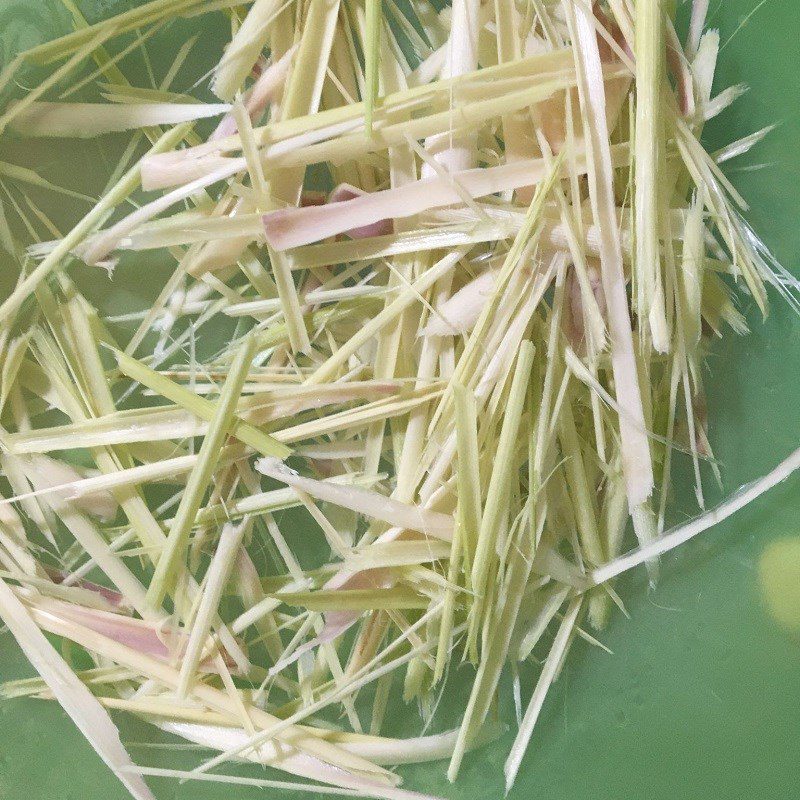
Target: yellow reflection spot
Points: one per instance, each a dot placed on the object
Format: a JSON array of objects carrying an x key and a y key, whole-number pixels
[{"x": 779, "y": 575}]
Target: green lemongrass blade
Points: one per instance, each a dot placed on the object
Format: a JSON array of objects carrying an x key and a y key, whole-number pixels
[
  {"x": 637, "y": 458},
  {"x": 368, "y": 673},
  {"x": 16, "y": 109},
  {"x": 546, "y": 678},
  {"x": 99, "y": 400},
  {"x": 525, "y": 240},
  {"x": 301, "y": 96},
  {"x": 143, "y": 15},
  {"x": 200, "y": 407},
  {"x": 495, "y": 652},
  {"x": 12, "y": 354},
  {"x": 200, "y": 476},
  {"x": 408, "y": 296},
  {"x": 96, "y": 676},
  {"x": 244, "y": 49},
  {"x": 122, "y": 189},
  {"x": 440, "y": 95},
  {"x": 358, "y": 417},
  {"x": 90, "y": 539},
  {"x": 148, "y": 425},
  {"x": 86, "y": 598},
  {"x": 468, "y": 517},
  {"x": 372, "y": 50},
  {"x": 24, "y": 175},
  {"x": 250, "y": 151},
  {"x": 131, "y": 476},
  {"x": 236, "y": 780},
  {"x": 583, "y": 503},
  {"x": 499, "y": 486},
  {"x": 468, "y": 474}
]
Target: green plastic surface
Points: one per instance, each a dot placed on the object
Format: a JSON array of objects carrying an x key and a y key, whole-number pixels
[{"x": 701, "y": 697}]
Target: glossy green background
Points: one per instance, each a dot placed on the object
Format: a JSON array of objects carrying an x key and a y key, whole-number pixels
[{"x": 702, "y": 695}]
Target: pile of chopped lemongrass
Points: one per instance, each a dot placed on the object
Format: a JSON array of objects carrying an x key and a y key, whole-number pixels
[{"x": 453, "y": 379}]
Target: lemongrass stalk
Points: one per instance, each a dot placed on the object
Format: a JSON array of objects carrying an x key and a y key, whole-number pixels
[
  {"x": 406, "y": 298},
  {"x": 363, "y": 501},
  {"x": 83, "y": 120},
  {"x": 468, "y": 476},
  {"x": 347, "y": 118},
  {"x": 461, "y": 58},
  {"x": 112, "y": 565},
  {"x": 494, "y": 653},
  {"x": 402, "y": 170},
  {"x": 372, "y": 55},
  {"x": 355, "y": 599},
  {"x": 250, "y": 151},
  {"x": 381, "y": 555},
  {"x": 197, "y": 483},
  {"x": 583, "y": 502},
  {"x": 131, "y": 476},
  {"x": 15, "y": 110},
  {"x": 553, "y": 601},
  {"x": 368, "y": 674},
  {"x": 268, "y": 502},
  {"x": 145, "y": 14},
  {"x": 524, "y": 241},
  {"x": 519, "y": 144},
  {"x": 302, "y": 96},
  {"x": 235, "y": 780},
  {"x": 321, "y": 753}
]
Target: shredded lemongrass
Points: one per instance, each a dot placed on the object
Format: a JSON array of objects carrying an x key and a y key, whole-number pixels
[{"x": 464, "y": 370}]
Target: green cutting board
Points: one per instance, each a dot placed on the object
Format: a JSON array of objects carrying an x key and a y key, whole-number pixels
[{"x": 701, "y": 697}]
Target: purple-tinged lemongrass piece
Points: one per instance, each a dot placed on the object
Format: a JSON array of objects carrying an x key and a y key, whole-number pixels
[
  {"x": 82, "y": 120},
  {"x": 292, "y": 227}
]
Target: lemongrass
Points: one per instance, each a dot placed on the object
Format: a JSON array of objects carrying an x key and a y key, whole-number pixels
[{"x": 480, "y": 341}]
